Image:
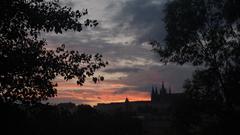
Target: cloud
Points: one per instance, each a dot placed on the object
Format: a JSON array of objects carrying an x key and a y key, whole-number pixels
[
  {"x": 94, "y": 96},
  {"x": 125, "y": 27},
  {"x": 172, "y": 75},
  {"x": 123, "y": 70},
  {"x": 143, "y": 18}
]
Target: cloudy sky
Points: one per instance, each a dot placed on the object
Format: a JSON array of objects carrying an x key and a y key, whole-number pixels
[{"x": 125, "y": 27}]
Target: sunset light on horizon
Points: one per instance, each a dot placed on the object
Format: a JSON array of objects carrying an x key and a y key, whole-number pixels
[
  {"x": 122, "y": 37},
  {"x": 92, "y": 93}
]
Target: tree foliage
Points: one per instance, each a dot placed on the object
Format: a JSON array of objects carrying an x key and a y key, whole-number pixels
[
  {"x": 205, "y": 33},
  {"x": 28, "y": 68},
  {"x": 65, "y": 119},
  {"x": 203, "y": 86}
]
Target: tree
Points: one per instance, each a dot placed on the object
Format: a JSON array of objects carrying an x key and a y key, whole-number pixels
[
  {"x": 28, "y": 68},
  {"x": 207, "y": 34}
]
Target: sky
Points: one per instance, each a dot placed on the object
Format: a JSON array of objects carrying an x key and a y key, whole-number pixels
[{"x": 122, "y": 36}]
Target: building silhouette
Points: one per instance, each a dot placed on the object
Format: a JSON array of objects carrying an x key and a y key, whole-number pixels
[
  {"x": 157, "y": 94},
  {"x": 161, "y": 99},
  {"x": 155, "y": 113}
]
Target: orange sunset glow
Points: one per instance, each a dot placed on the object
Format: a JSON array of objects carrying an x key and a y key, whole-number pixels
[
  {"x": 133, "y": 67},
  {"x": 92, "y": 93}
]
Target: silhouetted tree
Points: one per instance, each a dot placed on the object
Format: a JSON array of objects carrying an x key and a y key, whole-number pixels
[
  {"x": 28, "y": 68},
  {"x": 203, "y": 87},
  {"x": 205, "y": 33},
  {"x": 203, "y": 112}
]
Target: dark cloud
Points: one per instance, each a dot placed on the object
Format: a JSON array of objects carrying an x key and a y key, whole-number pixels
[
  {"x": 123, "y": 90},
  {"x": 141, "y": 20},
  {"x": 122, "y": 70},
  {"x": 172, "y": 75},
  {"x": 144, "y": 18},
  {"x": 92, "y": 44},
  {"x": 125, "y": 25}
]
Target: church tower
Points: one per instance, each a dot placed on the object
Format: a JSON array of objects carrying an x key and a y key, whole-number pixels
[
  {"x": 169, "y": 90},
  {"x": 153, "y": 94},
  {"x": 163, "y": 90}
]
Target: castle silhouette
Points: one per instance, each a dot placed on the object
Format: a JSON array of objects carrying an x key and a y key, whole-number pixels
[
  {"x": 158, "y": 94},
  {"x": 161, "y": 99}
]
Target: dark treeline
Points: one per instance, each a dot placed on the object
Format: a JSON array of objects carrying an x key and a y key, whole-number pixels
[
  {"x": 204, "y": 117},
  {"x": 185, "y": 117},
  {"x": 65, "y": 119}
]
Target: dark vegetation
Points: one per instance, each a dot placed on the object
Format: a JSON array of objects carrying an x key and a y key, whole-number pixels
[
  {"x": 28, "y": 68},
  {"x": 205, "y": 33},
  {"x": 201, "y": 117},
  {"x": 65, "y": 119}
]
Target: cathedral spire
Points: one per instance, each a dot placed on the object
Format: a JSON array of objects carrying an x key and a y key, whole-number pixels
[
  {"x": 156, "y": 91},
  {"x": 153, "y": 94},
  {"x": 163, "y": 90},
  {"x": 169, "y": 90},
  {"x": 153, "y": 90},
  {"x": 163, "y": 85}
]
